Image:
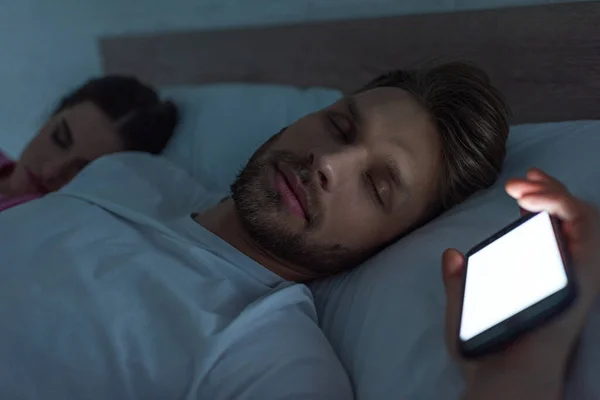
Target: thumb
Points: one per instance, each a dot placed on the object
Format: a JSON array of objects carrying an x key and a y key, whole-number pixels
[{"x": 453, "y": 266}]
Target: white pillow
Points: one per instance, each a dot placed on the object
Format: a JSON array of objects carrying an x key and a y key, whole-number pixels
[
  {"x": 222, "y": 125},
  {"x": 385, "y": 319}
]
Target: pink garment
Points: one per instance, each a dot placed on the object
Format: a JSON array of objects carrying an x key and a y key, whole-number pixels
[{"x": 6, "y": 164}]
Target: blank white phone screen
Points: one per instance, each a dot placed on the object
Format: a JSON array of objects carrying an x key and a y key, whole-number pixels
[{"x": 512, "y": 273}]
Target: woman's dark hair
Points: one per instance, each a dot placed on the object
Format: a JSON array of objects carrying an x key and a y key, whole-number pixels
[
  {"x": 471, "y": 117},
  {"x": 147, "y": 123}
]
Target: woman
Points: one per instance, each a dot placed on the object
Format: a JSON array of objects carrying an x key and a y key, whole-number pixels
[{"x": 105, "y": 115}]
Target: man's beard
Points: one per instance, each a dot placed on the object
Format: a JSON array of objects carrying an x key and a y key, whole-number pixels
[{"x": 262, "y": 213}]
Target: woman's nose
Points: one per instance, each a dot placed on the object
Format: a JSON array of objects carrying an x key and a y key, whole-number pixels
[
  {"x": 58, "y": 173},
  {"x": 52, "y": 169}
]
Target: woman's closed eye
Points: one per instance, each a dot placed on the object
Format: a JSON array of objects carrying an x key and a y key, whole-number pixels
[{"x": 61, "y": 135}]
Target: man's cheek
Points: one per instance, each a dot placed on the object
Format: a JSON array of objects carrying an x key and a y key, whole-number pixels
[{"x": 346, "y": 230}]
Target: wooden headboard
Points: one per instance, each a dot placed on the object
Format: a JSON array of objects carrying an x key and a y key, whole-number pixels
[{"x": 546, "y": 59}]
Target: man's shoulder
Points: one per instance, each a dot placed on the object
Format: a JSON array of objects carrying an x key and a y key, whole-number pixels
[{"x": 282, "y": 350}]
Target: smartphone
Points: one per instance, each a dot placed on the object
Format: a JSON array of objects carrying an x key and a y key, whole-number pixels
[{"x": 515, "y": 280}]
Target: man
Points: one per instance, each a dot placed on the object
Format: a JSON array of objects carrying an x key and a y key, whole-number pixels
[
  {"x": 339, "y": 184},
  {"x": 139, "y": 289}
]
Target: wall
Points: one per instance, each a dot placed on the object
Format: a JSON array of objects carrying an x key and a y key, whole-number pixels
[{"x": 48, "y": 47}]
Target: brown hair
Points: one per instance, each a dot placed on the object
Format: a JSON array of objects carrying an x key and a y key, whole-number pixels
[
  {"x": 471, "y": 117},
  {"x": 148, "y": 123}
]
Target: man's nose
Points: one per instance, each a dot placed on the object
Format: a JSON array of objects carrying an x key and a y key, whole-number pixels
[{"x": 334, "y": 168}]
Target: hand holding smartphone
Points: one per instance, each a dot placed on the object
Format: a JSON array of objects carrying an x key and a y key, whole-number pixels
[
  {"x": 517, "y": 325},
  {"x": 515, "y": 280}
]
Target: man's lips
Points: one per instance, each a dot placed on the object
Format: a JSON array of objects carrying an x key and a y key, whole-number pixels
[{"x": 292, "y": 191}]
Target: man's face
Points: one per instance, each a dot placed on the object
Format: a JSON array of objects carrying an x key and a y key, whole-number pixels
[{"x": 335, "y": 186}]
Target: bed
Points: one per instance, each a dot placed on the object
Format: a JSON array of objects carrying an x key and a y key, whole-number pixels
[{"x": 385, "y": 320}]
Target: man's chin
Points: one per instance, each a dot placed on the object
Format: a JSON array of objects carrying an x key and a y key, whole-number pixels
[{"x": 293, "y": 223}]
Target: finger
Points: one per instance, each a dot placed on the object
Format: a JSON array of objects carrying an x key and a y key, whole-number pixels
[
  {"x": 517, "y": 188},
  {"x": 453, "y": 265},
  {"x": 537, "y": 175},
  {"x": 536, "y": 181},
  {"x": 561, "y": 205}
]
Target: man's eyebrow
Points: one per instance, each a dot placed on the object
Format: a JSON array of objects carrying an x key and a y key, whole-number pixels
[{"x": 354, "y": 111}]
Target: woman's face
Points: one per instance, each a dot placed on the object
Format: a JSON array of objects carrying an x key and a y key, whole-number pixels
[{"x": 63, "y": 147}]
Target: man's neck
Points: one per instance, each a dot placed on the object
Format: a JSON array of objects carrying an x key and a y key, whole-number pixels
[{"x": 224, "y": 221}]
